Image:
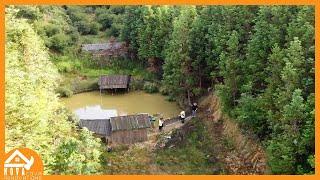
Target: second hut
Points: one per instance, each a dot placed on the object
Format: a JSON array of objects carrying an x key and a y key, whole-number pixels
[
  {"x": 114, "y": 82},
  {"x": 129, "y": 129}
]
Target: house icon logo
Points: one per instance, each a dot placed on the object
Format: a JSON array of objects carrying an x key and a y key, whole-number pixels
[{"x": 23, "y": 163}]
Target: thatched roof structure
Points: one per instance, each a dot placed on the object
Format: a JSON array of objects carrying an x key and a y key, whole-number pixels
[
  {"x": 114, "y": 81},
  {"x": 130, "y": 122}
]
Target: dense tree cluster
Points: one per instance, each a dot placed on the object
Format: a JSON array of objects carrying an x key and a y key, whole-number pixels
[{"x": 260, "y": 60}]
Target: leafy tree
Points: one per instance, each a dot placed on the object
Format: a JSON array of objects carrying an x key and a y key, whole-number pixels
[
  {"x": 68, "y": 160},
  {"x": 177, "y": 63},
  {"x": 289, "y": 150},
  {"x": 80, "y": 20},
  {"x": 153, "y": 36},
  {"x": 129, "y": 33}
]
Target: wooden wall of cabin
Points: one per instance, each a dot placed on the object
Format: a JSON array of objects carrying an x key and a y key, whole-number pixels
[{"x": 129, "y": 136}]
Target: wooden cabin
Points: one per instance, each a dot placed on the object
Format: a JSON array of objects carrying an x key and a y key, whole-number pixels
[
  {"x": 116, "y": 129},
  {"x": 129, "y": 129},
  {"x": 96, "y": 119},
  {"x": 114, "y": 81}
]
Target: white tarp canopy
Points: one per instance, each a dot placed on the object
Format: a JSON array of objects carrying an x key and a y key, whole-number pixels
[{"x": 95, "y": 113}]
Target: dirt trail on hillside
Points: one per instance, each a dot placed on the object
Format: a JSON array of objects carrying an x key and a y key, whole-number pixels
[{"x": 238, "y": 153}]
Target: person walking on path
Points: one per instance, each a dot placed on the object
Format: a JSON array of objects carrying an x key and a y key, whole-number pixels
[
  {"x": 160, "y": 124},
  {"x": 194, "y": 109},
  {"x": 182, "y": 116}
]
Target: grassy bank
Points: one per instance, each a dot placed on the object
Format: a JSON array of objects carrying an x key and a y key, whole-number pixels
[{"x": 81, "y": 73}]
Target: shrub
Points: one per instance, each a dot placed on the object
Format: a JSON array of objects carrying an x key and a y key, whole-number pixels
[
  {"x": 80, "y": 155},
  {"x": 94, "y": 28},
  {"x": 105, "y": 20},
  {"x": 170, "y": 98},
  {"x": 136, "y": 83},
  {"x": 29, "y": 12},
  {"x": 64, "y": 91},
  {"x": 77, "y": 65},
  {"x": 51, "y": 29},
  {"x": 85, "y": 85},
  {"x": 64, "y": 67},
  {"x": 164, "y": 91},
  {"x": 115, "y": 29},
  {"x": 59, "y": 42},
  {"x": 150, "y": 87}
]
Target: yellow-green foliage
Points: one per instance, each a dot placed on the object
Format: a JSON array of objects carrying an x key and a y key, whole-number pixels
[{"x": 34, "y": 117}]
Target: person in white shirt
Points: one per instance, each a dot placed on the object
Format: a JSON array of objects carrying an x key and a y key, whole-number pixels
[
  {"x": 160, "y": 124},
  {"x": 182, "y": 116}
]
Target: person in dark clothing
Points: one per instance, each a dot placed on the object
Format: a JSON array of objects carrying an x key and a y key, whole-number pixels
[{"x": 194, "y": 109}]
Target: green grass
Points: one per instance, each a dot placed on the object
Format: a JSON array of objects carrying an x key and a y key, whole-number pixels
[
  {"x": 73, "y": 67},
  {"x": 122, "y": 160}
]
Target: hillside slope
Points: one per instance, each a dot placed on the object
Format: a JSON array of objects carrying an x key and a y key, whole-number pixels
[{"x": 208, "y": 144}]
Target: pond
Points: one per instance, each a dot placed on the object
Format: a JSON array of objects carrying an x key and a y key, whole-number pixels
[{"x": 124, "y": 103}]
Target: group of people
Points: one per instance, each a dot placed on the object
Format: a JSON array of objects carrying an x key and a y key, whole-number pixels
[{"x": 182, "y": 115}]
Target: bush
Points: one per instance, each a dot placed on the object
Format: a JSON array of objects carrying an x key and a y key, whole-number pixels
[
  {"x": 80, "y": 155},
  {"x": 29, "y": 12},
  {"x": 105, "y": 20},
  {"x": 51, "y": 29},
  {"x": 85, "y": 85},
  {"x": 136, "y": 83},
  {"x": 59, "y": 42},
  {"x": 170, "y": 98},
  {"x": 164, "y": 91},
  {"x": 67, "y": 64},
  {"x": 65, "y": 67},
  {"x": 115, "y": 29},
  {"x": 94, "y": 28},
  {"x": 77, "y": 65},
  {"x": 150, "y": 87},
  {"x": 64, "y": 91}
]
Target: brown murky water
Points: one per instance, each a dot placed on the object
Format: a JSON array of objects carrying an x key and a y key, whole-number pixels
[{"x": 124, "y": 103}]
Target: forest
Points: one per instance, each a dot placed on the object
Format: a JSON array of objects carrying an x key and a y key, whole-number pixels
[{"x": 258, "y": 60}]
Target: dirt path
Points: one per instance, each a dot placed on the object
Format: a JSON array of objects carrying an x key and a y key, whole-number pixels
[
  {"x": 239, "y": 154},
  {"x": 236, "y": 153}
]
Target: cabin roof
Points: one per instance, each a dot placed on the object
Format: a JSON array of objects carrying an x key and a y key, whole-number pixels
[
  {"x": 102, "y": 46},
  {"x": 114, "y": 81},
  {"x": 95, "y": 112},
  {"x": 130, "y": 122},
  {"x": 98, "y": 126}
]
